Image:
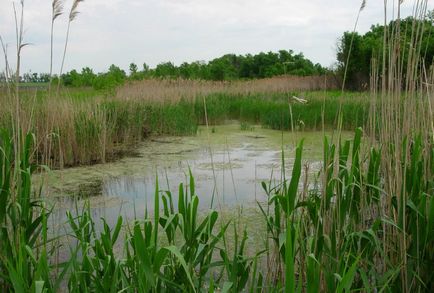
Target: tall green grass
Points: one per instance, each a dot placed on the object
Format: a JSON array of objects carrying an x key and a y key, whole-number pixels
[
  {"x": 74, "y": 130},
  {"x": 273, "y": 111},
  {"x": 25, "y": 248},
  {"x": 367, "y": 224},
  {"x": 333, "y": 236}
]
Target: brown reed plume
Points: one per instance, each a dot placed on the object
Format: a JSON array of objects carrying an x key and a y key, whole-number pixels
[
  {"x": 57, "y": 10},
  {"x": 72, "y": 15}
]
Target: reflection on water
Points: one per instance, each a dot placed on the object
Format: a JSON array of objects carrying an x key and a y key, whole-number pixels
[
  {"x": 230, "y": 176},
  {"x": 240, "y": 164}
]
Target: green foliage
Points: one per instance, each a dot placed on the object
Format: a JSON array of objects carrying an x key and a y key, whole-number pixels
[
  {"x": 370, "y": 45},
  {"x": 133, "y": 68},
  {"x": 333, "y": 233},
  {"x": 119, "y": 122},
  {"x": 87, "y": 78},
  {"x": 181, "y": 265},
  {"x": 227, "y": 67},
  {"x": 321, "y": 238},
  {"x": 24, "y": 243},
  {"x": 274, "y": 112},
  {"x": 231, "y": 66},
  {"x": 166, "y": 69},
  {"x": 99, "y": 129}
]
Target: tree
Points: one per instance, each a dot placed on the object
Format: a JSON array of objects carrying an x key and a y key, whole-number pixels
[
  {"x": 166, "y": 69},
  {"x": 370, "y": 45},
  {"x": 71, "y": 78},
  {"x": 223, "y": 68},
  {"x": 133, "y": 69},
  {"x": 44, "y": 77},
  {"x": 87, "y": 76},
  {"x": 116, "y": 73},
  {"x": 145, "y": 68}
]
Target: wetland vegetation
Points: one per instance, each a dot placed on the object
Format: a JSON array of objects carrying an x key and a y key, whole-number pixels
[
  {"x": 113, "y": 124},
  {"x": 280, "y": 184}
]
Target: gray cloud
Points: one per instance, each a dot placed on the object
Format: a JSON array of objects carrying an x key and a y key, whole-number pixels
[{"x": 153, "y": 31}]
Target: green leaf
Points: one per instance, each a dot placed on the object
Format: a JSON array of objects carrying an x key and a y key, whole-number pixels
[
  {"x": 293, "y": 185},
  {"x": 348, "y": 278},
  {"x": 39, "y": 286},
  {"x": 175, "y": 251},
  {"x": 226, "y": 287}
]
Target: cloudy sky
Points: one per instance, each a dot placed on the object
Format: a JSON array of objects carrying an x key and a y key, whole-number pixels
[{"x": 153, "y": 31}]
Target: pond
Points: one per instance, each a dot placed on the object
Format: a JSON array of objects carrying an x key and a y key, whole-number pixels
[{"x": 228, "y": 166}]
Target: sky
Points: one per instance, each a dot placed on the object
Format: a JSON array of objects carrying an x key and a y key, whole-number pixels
[{"x": 153, "y": 31}]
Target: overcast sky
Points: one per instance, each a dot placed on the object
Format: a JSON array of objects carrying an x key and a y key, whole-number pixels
[{"x": 154, "y": 31}]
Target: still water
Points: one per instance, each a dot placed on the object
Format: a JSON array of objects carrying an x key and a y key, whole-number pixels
[{"x": 228, "y": 166}]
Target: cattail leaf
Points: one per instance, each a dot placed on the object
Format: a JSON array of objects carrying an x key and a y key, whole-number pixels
[
  {"x": 175, "y": 251},
  {"x": 348, "y": 278},
  {"x": 192, "y": 186},
  {"x": 18, "y": 283},
  {"x": 295, "y": 179},
  {"x": 117, "y": 230},
  {"x": 226, "y": 287}
]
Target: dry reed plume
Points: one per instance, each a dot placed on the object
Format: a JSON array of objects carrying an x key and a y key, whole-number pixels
[{"x": 72, "y": 15}]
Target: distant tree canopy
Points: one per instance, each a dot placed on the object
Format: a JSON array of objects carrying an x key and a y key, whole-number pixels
[
  {"x": 364, "y": 47},
  {"x": 262, "y": 65},
  {"x": 34, "y": 77},
  {"x": 227, "y": 67},
  {"x": 370, "y": 45}
]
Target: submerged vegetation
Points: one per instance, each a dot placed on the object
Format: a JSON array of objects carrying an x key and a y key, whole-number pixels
[{"x": 366, "y": 223}]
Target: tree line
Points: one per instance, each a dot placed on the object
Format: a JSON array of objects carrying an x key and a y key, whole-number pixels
[
  {"x": 364, "y": 47},
  {"x": 227, "y": 67}
]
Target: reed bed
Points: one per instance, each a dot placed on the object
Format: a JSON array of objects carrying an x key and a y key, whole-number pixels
[
  {"x": 85, "y": 126},
  {"x": 175, "y": 90},
  {"x": 336, "y": 236},
  {"x": 366, "y": 224}
]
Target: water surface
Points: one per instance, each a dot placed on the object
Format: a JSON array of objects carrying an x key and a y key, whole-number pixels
[{"x": 228, "y": 166}]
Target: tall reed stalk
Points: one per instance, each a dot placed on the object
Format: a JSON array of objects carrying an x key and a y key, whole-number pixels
[
  {"x": 366, "y": 223},
  {"x": 57, "y": 10},
  {"x": 405, "y": 134},
  {"x": 73, "y": 13}
]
